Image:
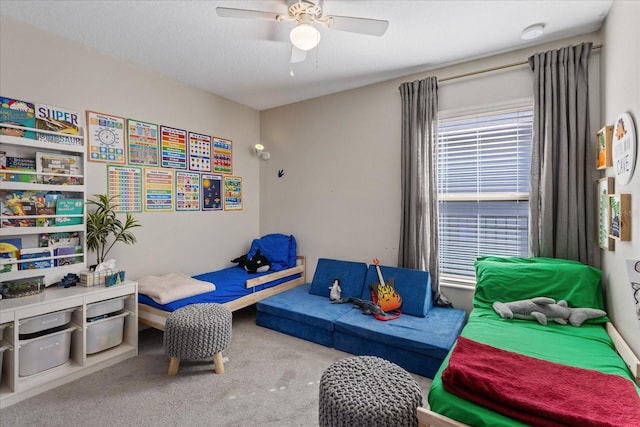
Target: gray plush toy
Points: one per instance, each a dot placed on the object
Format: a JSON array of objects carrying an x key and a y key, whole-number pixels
[{"x": 543, "y": 309}]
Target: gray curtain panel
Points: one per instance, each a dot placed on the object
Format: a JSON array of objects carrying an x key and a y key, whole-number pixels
[
  {"x": 562, "y": 220},
  {"x": 419, "y": 218}
]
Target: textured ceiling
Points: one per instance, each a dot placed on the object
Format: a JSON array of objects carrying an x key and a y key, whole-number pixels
[{"x": 247, "y": 61}]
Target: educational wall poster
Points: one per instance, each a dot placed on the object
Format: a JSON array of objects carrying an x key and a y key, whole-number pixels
[
  {"x": 633, "y": 269},
  {"x": 211, "y": 192},
  {"x": 142, "y": 143},
  {"x": 173, "y": 144},
  {"x": 222, "y": 155},
  {"x": 158, "y": 190},
  {"x": 126, "y": 184},
  {"x": 187, "y": 191},
  {"x": 199, "y": 152},
  {"x": 232, "y": 193},
  {"x": 106, "y": 138}
]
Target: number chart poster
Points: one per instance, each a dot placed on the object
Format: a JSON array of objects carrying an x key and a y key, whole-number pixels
[
  {"x": 211, "y": 192},
  {"x": 187, "y": 191},
  {"x": 174, "y": 147},
  {"x": 106, "y": 138},
  {"x": 232, "y": 193},
  {"x": 126, "y": 184},
  {"x": 199, "y": 152},
  {"x": 142, "y": 143},
  {"x": 158, "y": 190},
  {"x": 222, "y": 156}
]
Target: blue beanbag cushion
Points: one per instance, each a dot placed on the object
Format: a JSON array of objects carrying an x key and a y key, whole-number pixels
[{"x": 279, "y": 249}]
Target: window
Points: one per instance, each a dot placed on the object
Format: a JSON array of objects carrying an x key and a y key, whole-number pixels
[{"x": 483, "y": 189}]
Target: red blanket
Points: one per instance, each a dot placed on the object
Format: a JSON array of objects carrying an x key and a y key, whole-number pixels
[{"x": 538, "y": 392}]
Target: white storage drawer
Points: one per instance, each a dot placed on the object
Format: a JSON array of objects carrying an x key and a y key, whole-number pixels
[
  {"x": 2, "y": 350},
  {"x": 2, "y": 330},
  {"x": 44, "y": 352},
  {"x": 105, "y": 333},
  {"x": 105, "y": 307},
  {"x": 46, "y": 321}
]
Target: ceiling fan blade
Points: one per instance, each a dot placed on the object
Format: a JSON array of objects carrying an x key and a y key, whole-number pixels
[
  {"x": 373, "y": 27},
  {"x": 228, "y": 12},
  {"x": 297, "y": 55}
]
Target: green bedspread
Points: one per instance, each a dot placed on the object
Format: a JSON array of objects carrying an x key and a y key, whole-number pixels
[{"x": 587, "y": 346}]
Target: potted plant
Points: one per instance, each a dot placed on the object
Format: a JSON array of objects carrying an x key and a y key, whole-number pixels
[{"x": 104, "y": 229}]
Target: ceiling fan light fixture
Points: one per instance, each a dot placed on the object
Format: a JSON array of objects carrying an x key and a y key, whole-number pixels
[
  {"x": 305, "y": 36},
  {"x": 532, "y": 32}
]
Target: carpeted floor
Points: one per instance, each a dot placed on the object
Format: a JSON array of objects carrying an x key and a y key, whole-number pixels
[{"x": 271, "y": 379}]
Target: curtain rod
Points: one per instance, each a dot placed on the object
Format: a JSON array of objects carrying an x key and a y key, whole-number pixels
[{"x": 499, "y": 67}]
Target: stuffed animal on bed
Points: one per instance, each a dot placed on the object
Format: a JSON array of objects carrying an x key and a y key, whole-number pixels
[
  {"x": 544, "y": 309},
  {"x": 258, "y": 264}
]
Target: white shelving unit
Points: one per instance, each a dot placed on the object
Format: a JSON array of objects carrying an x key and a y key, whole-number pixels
[
  {"x": 27, "y": 148},
  {"x": 13, "y": 387}
]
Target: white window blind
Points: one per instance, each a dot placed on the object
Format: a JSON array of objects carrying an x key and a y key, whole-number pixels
[{"x": 483, "y": 189}]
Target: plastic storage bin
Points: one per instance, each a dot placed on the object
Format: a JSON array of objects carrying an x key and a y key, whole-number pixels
[
  {"x": 46, "y": 321},
  {"x": 105, "y": 307},
  {"x": 2, "y": 350},
  {"x": 105, "y": 333},
  {"x": 44, "y": 352}
]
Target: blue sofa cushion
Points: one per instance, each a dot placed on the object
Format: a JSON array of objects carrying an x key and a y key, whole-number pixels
[
  {"x": 431, "y": 335},
  {"x": 298, "y": 305},
  {"x": 414, "y": 287},
  {"x": 351, "y": 275}
]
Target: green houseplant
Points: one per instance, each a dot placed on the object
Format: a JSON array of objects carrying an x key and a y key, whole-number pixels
[{"x": 105, "y": 229}]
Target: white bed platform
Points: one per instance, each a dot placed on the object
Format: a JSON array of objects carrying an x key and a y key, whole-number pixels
[
  {"x": 427, "y": 417},
  {"x": 157, "y": 318}
]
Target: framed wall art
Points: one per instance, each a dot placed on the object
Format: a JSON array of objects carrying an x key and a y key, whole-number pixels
[
  {"x": 232, "y": 193},
  {"x": 142, "y": 143},
  {"x": 222, "y": 155},
  {"x": 620, "y": 216},
  {"x": 604, "y": 138},
  {"x": 605, "y": 188}
]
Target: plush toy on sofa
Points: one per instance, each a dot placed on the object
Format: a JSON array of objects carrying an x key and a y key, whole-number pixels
[
  {"x": 258, "y": 264},
  {"x": 543, "y": 309}
]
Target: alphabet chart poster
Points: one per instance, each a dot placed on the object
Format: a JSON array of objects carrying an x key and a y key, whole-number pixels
[
  {"x": 222, "y": 155},
  {"x": 187, "y": 191},
  {"x": 106, "y": 138},
  {"x": 174, "y": 147},
  {"x": 158, "y": 190},
  {"x": 126, "y": 184},
  {"x": 142, "y": 142},
  {"x": 199, "y": 152}
]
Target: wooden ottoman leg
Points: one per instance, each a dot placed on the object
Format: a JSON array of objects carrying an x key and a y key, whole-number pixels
[
  {"x": 174, "y": 363},
  {"x": 218, "y": 363}
]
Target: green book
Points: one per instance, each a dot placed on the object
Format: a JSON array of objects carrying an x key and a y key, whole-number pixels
[{"x": 69, "y": 207}]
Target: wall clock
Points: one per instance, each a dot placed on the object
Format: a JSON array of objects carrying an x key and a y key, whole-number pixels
[{"x": 624, "y": 148}]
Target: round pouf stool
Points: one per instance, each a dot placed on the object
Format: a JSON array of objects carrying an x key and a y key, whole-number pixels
[
  {"x": 368, "y": 391},
  {"x": 197, "y": 331}
]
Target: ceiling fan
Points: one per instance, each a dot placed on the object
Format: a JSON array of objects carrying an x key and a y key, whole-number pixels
[{"x": 306, "y": 13}]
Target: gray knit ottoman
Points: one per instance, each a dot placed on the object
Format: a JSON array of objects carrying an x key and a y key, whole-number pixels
[
  {"x": 197, "y": 331},
  {"x": 368, "y": 391}
]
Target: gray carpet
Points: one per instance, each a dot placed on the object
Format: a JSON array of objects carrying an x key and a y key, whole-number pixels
[{"x": 271, "y": 379}]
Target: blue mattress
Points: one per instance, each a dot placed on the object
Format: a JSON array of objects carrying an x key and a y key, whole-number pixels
[{"x": 230, "y": 285}]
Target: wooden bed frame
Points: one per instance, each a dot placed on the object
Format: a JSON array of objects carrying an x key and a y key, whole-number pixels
[
  {"x": 157, "y": 318},
  {"x": 426, "y": 417}
]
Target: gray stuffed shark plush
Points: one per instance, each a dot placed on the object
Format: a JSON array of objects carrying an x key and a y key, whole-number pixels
[
  {"x": 367, "y": 307},
  {"x": 543, "y": 309}
]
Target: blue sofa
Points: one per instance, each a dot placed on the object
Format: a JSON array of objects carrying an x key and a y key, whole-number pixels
[{"x": 418, "y": 340}]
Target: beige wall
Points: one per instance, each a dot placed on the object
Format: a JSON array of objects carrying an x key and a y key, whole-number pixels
[
  {"x": 621, "y": 83},
  {"x": 341, "y": 156},
  {"x": 43, "y": 68}
]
